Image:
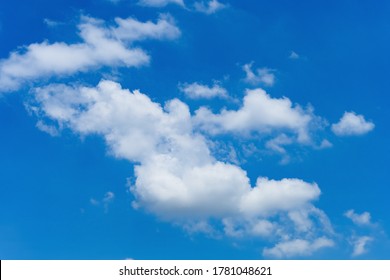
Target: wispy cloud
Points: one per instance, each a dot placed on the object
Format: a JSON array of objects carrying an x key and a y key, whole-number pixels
[
  {"x": 259, "y": 76},
  {"x": 159, "y": 3},
  {"x": 293, "y": 55},
  {"x": 297, "y": 247},
  {"x": 209, "y": 7},
  {"x": 360, "y": 245},
  {"x": 105, "y": 201}
]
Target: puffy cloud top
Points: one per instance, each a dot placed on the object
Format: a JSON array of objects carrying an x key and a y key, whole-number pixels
[{"x": 352, "y": 124}]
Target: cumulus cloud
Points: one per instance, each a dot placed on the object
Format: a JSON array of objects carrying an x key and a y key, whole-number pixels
[
  {"x": 209, "y": 7},
  {"x": 159, "y": 3},
  {"x": 352, "y": 124},
  {"x": 261, "y": 114},
  {"x": 130, "y": 29},
  {"x": 360, "y": 245},
  {"x": 363, "y": 219},
  {"x": 297, "y": 247},
  {"x": 198, "y": 91},
  {"x": 177, "y": 178},
  {"x": 260, "y": 76},
  {"x": 99, "y": 46}
]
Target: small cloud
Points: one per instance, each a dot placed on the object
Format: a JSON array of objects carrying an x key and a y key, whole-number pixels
[
  {"x": 210, "y": 7},
  {"x": 51, "y": 23},
  {"x": 277, "y": 144},
  {"x": 297, "y": 247},
  {"x": 198, "y": 91},
  {"x": 105, "y": 201},
  {"x": 325, "y": 144},
  {"x": 51, "y": 130},
  {"x": 293, "y": 55},
  {"x": 352, "y": 124},
  {"x": 363, "y": 219},
  {"x": 94, "y": 202},
  {"x": 259, "y": 76},
  {"x": 108, "y": 197},
  {"x": 159, "y": 3},
  {"x": 360, "y": 245}
]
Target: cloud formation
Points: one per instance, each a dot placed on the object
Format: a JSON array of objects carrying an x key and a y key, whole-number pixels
[
  {"x": 159, "y": 3},
  {"x": 105, "y": 201},
  {"x": 293, "y": 55},
  {"x": 363, "y": 219},
  {"x": 199, "y": 91},
  {"x": 260, "y": 114},
  {"x": 177, "y": 178},
  {"x": 100, "y": 46},
  {"x": 352, "y": 124},
  {"x": 360, "y": 245},
  {"x": 209, "y": 7},
  {"x": 297, "y": 247},
  {"x": 260, "y": 76}
]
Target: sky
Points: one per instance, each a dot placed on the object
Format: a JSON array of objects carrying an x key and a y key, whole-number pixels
[{"x": 194, "y": 129}]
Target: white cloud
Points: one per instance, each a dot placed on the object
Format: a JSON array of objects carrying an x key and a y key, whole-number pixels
[
  {"x": 51, "y": 130},
  {"x": 159, "y": 3},
  {"x": 133, "y": 30},
  {"x": 198, "y": 91},
  {"x": 100, "y": 46},
  {"x": 294, "y": 55},
  {"x": 264, "y": 76},
  {"x": 276, "y": 144},
  {"x": 352, "y": 124},
  {"x": 360, "y": 245},
  {"x": 363, "y": 219},
  {"x": 261, "y": 114},
  {"x": 325, "y": 144},
  {"x": 270, "y": 196},
  {"x": 51, "y": 23},
  {"x": 209, "y": 7},
  {"x": 177, "y": 178},
  {"x": 297, "y": 247},
  {"x": 107, "y": 199}
]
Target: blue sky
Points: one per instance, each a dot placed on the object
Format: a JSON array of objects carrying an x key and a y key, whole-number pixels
[{"x": 169, "y": 129}]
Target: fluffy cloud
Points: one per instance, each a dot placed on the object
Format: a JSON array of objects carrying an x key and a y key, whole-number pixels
[
  {"x": 198, "y": 91},
  {"x": 297, "y": 247},
  {"x": 177, "y": 178},
  {"x": 363, "y": 219},
  {"x": 209, "y": 7},
  {"x": 261, "y": 114},
  {"x": 360, "y": 245},
  {"x": 262, "y": 76},
  {"x": 100, "y": 46},
  {"x": 352, "y": 124},
  {"x": 159, "y": 3},
  {"x": 132, "y": 30}
]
